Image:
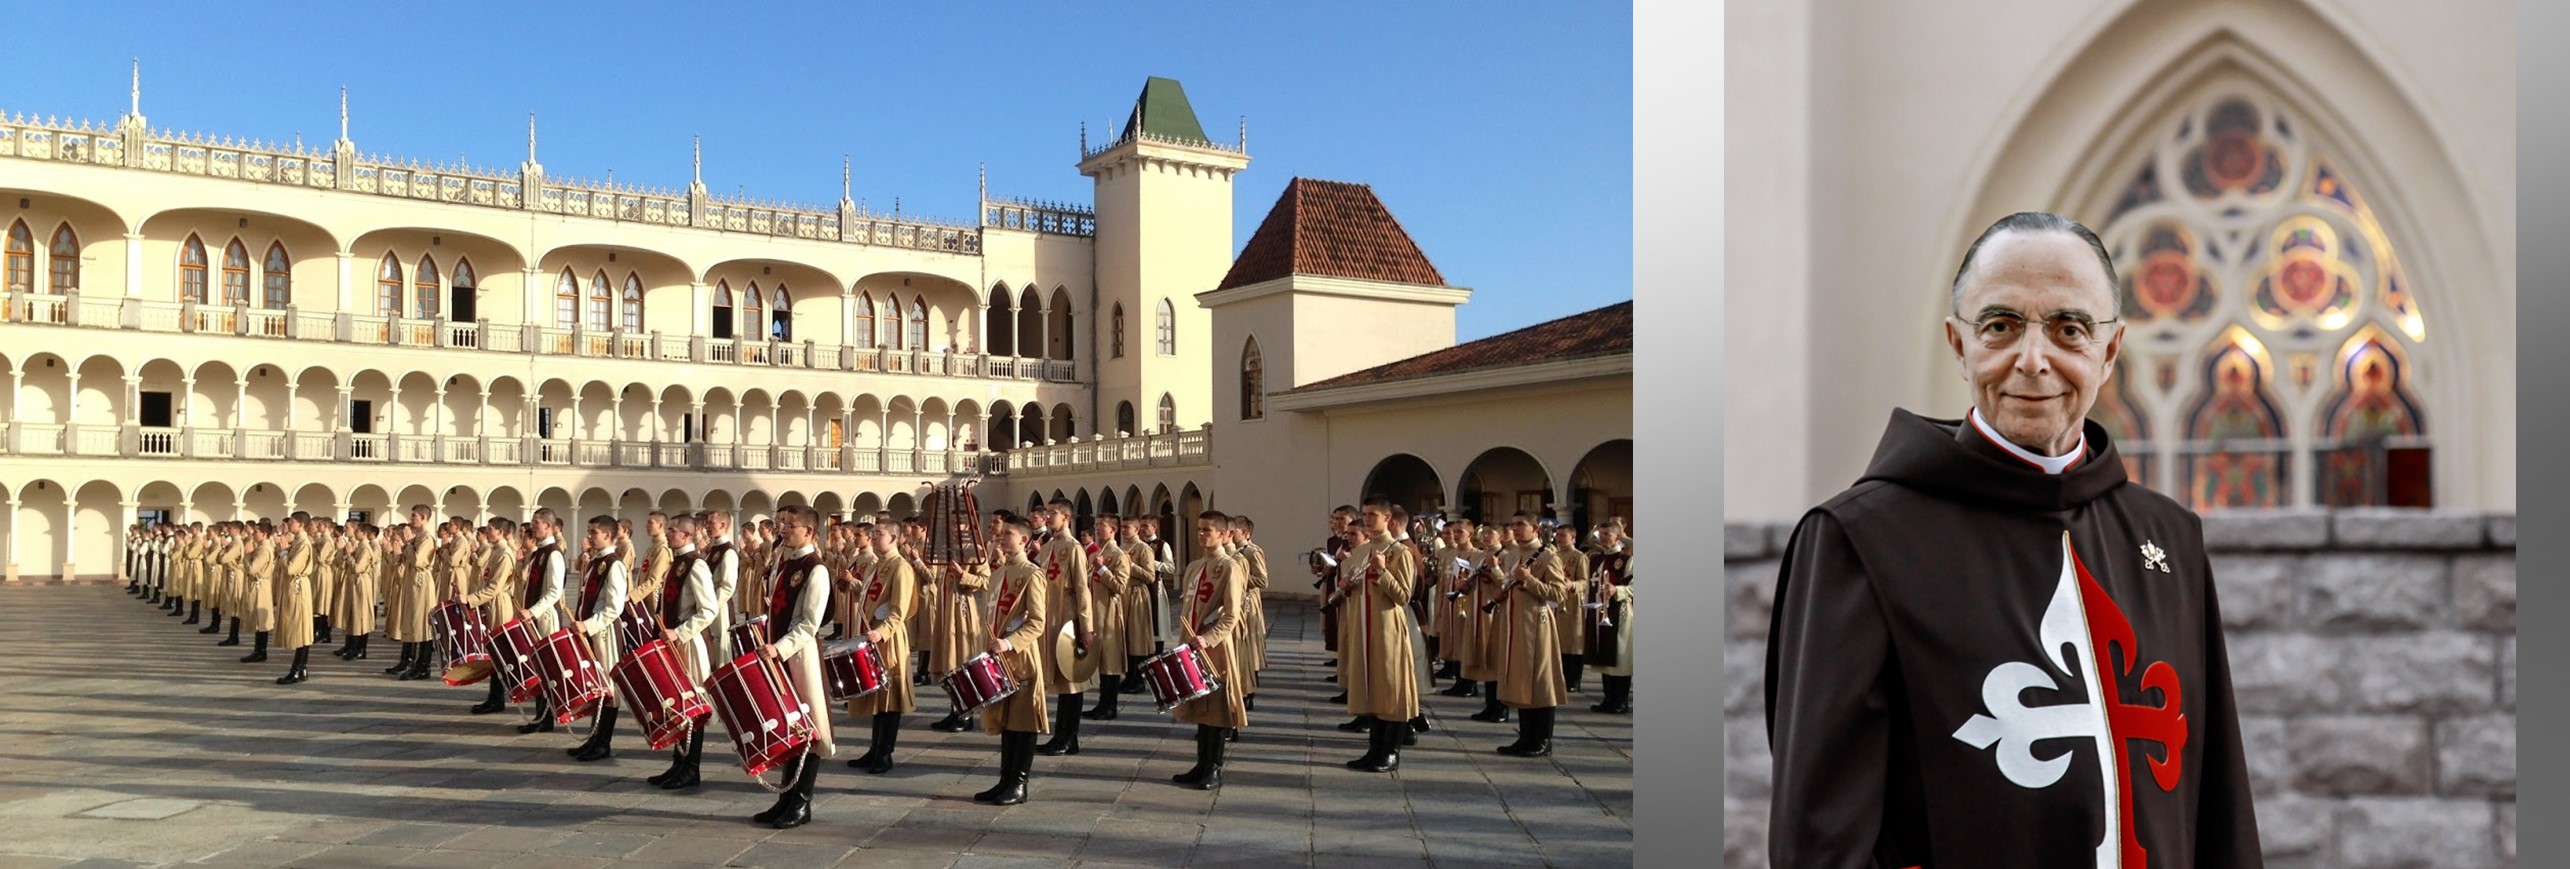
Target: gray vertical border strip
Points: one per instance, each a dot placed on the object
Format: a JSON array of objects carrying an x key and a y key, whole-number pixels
[
  {"x": 2543, "y": 408},
  {"x": 1677, "y": 415}
]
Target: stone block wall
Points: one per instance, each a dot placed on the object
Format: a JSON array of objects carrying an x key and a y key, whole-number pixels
[{"x": 2373, "y": 655}]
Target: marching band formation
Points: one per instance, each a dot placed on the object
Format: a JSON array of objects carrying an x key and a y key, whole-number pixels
[{"x": 1000, "y": 610}]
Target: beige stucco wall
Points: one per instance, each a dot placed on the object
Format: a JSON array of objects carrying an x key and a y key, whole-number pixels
[{"x": 1920, "y": 124}]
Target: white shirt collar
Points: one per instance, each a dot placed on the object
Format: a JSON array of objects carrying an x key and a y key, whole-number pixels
[
  {"x": 690, "y": 547},
  {"x": 547, "y": 541},
  {"x": 806, "y": 549},
  {"x": 609, "y": 551},
  {"x": 2053, "y": 465}
]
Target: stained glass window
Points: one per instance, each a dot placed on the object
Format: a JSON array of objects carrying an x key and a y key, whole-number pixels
[{"x": 2273, "y": 326}]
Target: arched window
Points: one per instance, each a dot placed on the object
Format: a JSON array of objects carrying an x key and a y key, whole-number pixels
[
  {"x": 753, "y": 314},
  {"x": 1168, "y": 414},
  {"x": 865, "y": 328},
  {"x": 2272, "y": 322},
  {"x": 892, "y": 314},
  {"x": 1168, "y": 328},
  {"x": 780, "y": 312},
  {"x": 918, "y": 323},
  {"x": 22, "y": 258},
  {"x": 388, "y": 286},
  {"x": 64, "y": 262},
  {"x": 236, "y": 274},
  {"x": 1124, "y": 419},
  {"x": 1116, "y": 332},
  {"x": 464, "y": 274},
  {"x": 1253, "y": 382},
  {"x": 602, "y": 303},
  {"x": 633, "y": 303},
  {"x": 191, "y": 269},
  {"x": 566, "y": 300},
  {"x": 276, "y": 278},
  {"x": 423, "y": 289},
  {"x": 722, "y": 309}
]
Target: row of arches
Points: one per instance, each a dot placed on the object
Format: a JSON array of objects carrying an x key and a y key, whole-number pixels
[
  {"x": 1504, "y": 480},
  {"x": 49, "y": 389}
]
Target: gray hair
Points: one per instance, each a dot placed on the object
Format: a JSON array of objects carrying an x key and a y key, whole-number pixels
[{"x": 2035, "y": 221}]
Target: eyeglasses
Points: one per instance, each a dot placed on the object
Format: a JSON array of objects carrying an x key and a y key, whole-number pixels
[{"x": 1999, "y": 329}]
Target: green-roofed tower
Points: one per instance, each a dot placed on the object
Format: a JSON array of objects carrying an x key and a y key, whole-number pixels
[
  {"x": 1162, "y": 111},
  {"x": 1163, "y": 199}
]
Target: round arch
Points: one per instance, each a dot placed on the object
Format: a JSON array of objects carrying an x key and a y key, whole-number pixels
[
  {"x": 1409, "y": 481},
  {"x": 1602, "y": 484},
  {"x": 1502, "y": 481}
]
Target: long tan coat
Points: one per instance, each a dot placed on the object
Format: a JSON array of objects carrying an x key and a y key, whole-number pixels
[
  {"x": 183, "y": 570},
  {"x": 851, "y": 571},
  {"x": 1376, "y": 616},
  {"x": 236, "y": 581},
  {"x": 294, "y": 594},
  {"x": 1107, "y": 586},
  {"x": 1214, "y": 596},
  {"x": 1527, "y": 642},
  {"x": 1479, "y": 629},
  {"x": 654, "y": 572},
  {"x": 923, "y": 604},
  {"x": 799, "y": 651},
  {"x": 1571, "y": 622},
  {"x": 259, "y": 582},
  {"x": 1021, "y": 602},
  {"x": 455, "y": 569},
  {"x": 360, "y": 569},
  {"x": 496, "y": 592},
  {"x": 1253, "y": 629},
  {"x": 325, "y": 575},
  {"x": 1142, "y": 581},
  {"x": 416, "y": 578},
  {"x": 1065, "y": 564},
  {"x": 1620, "y": 607},
  {"x": 955, "y": 636},
  {"x": 884, "y": 603}
]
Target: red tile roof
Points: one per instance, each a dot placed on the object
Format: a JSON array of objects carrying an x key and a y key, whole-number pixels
[
  {"x": 1603, "y": 332},
  {"x": 1330, "y": 228}
]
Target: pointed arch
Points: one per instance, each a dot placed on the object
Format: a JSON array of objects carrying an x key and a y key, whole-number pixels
[
  {"x": 425, "y": 288},
  {"x": 602, "y": 303},
  {"x": 566, "y": 300},
  {"x": 781, "y": 313},
  {"x": 388, "y": 285},
  {"x": 1115, "y": 333},
  {"x": 753, "y": 325},
  {"x": 1165, "y": 329},
  {"x": 276, "y": 278},
  {"x": 864, "y": 330},
  {"x": 917, "y": 323},
  {"x": 1253, "y": 381},
  {"x": 723, "y": 310},
  {"x": 1168, "y": 413},
  {"x": 2236, "y": 437},
  {"x": 633, "y": 303},
  {"x": 1124, "y": 421},
  {"x": 22, "y": 258},
  {"x": 2372, "y": 448},
  {"x": 191, "y": 271},
  {"x": 62, "y": 262},
  {"x": 236, "y": 273}
]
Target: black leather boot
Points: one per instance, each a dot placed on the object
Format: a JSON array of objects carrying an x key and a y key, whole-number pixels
[
  {"x": 1214, "y": 747},
  {"x": 1066, "y": 728},
  {"x": 1007, "y": 762},
  {"x": 321, "y": 629},
  {"x": 497, "y": 700},
  {"x": 1534, "y": 734},
  {"x": 396, "y": 669},
  {"x": 1106, "y": 704},
  {"x": 1461, "y": 688},
  {"x": 690, "y": 765},
  {"x": 543, "y": 722},
  {"x": 1619, "y": 696},
  {"x": 1015, "y": 775},
  {"x": 234, "y": 639},
  {"x": 1373, "y": 761},
  {"x": 952, "y": 723},
  {"x": 195, "y": 612},
  {"x": 602, "y": 745},
  {"x": 213, "y": 624},
  {"x": 419, "y": 663},
  {"x": 887, "y": 738},
  {"x": 793, "y": 776},
  {"x": 258, "y": 649},
  {"x": 1359, "y": 724},
  {"x": 1571, "y": 667},
  {"x": 295, "y": 674},
  {"x": 1204, "y": 760},
  {"x": 364, "y": 641},
  {"x": 1132, "y": 683},
  {"x": 1491, "y": 709}
]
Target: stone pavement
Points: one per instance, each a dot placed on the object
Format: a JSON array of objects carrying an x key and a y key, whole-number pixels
[{"x": 126, "y": 740}]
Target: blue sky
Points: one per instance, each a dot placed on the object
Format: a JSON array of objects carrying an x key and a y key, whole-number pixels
[{"x": 1500, "y": 134}]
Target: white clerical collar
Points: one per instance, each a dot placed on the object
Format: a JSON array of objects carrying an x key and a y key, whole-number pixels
[
  {"x": 548, "y": 541},
  {"x": 2050, "y": 464},
  {"x": 690, "y": 547},
  {"x": 805, "y": 549},
  {"x": 606, "y": 552}
]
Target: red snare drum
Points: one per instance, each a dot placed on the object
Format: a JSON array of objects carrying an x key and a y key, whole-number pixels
[
  {"x": 462, "y": 637},
  {"x": 1178, "y": 676},
  {"x": 851, "y": 669},
  {"x": 654, "y": 685},
  {"x": 636, "y": 628},
  {"x": 572, "y": 681},
  {"x": 513, "y": 660},
  {"x": 981, "y": 682},
  {"x": 768, "y": 723},
  {"x": 748, "y": 636}
]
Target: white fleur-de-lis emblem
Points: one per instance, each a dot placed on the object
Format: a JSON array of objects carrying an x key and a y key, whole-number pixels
[{"x": 2153, "y": 558}]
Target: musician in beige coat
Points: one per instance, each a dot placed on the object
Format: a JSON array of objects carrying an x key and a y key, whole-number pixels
[
  {"x": 496, "y": 593},
  {"x": 957, "y": 634},
  {"x": 1210, "y": 624},
  {"x": 1530, "y": 679},
  {"x": 295, "y": 623},
  {"x": 190, "y": 565},
  {"x": 1066, "y": 568},
  {"x": 1142, "y": 576},
  {"x": 884, "y": 604},
  {"x": 1108, "y": 579},
  {"x": 1374, "y": 583},
  {"x": 1253, "y": 627},
  {"x": 1481, "y": 657},
  {"x": 361, "y": 567},
  {"x": 796, "y": 608},
  {"x": 1018, "y": 621},
  {"x": 230, "y": 556},
  {"x": 416, "y": 577},
  {"x": 259, "y": 582},
  {"x": 325, "y": 575}
]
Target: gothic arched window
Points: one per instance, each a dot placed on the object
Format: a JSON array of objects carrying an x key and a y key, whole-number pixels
[
  {"x": 633, "y": 303},
  {"x": 1168, "y": 328},
  {"x": 236, "y": 274},
  {"x": 865, "y": 327},
  {"x": 424, "y": 289},
  {"x": 2272, "y": 324},
  {"x": 276, "y": 278},
  {"x": 1253, "y": 382},
  {"x": 64, "y": 261},
  {"x": 388, "y": 286},
  {"x": 22, "y": 258},
  {"x": 191, "y": 268}
]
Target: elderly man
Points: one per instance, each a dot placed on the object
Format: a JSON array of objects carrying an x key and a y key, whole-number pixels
[{"x": 1992, "y": 651}]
